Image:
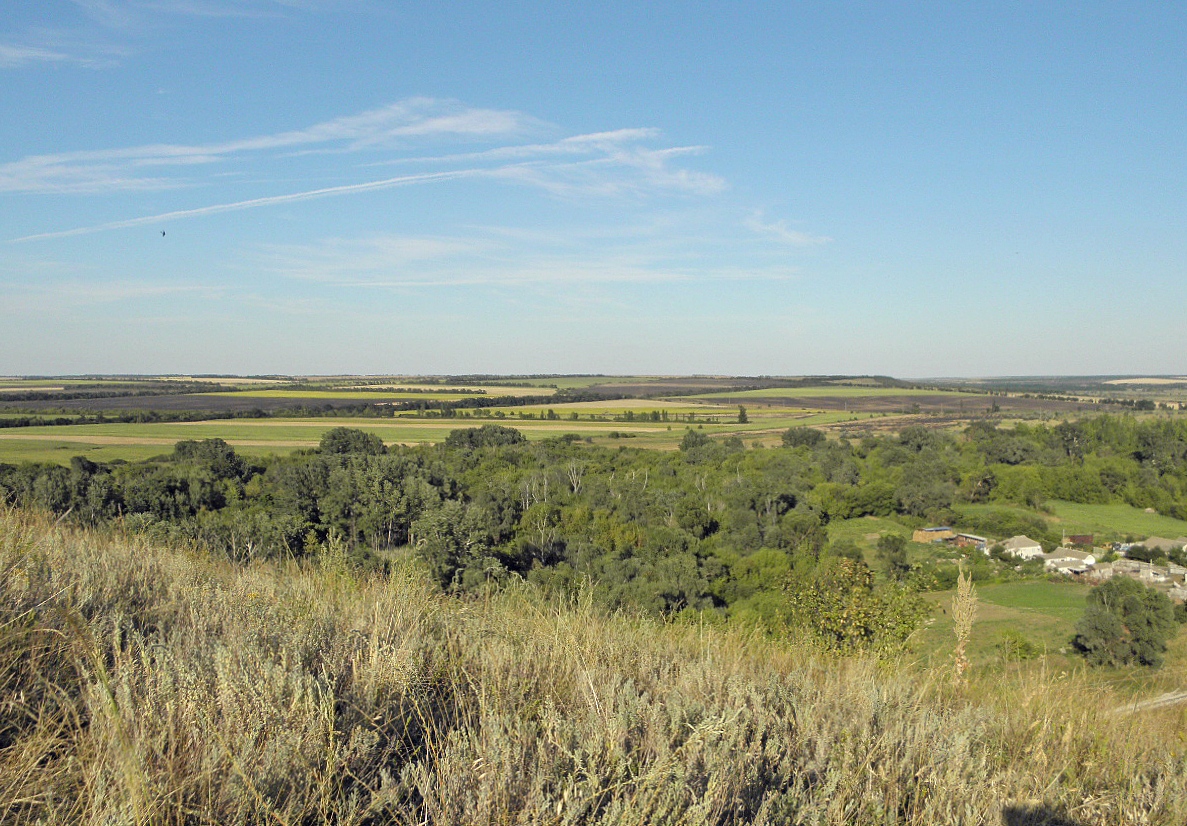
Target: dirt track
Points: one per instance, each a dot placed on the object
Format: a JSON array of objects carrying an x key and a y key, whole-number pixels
[{"x": 1171, "y": 698}]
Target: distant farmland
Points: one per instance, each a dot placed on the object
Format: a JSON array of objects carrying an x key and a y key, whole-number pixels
[
  {"x": 268, "y": 400},
  {"x": 282, "y": 414},
  {"x": 893, "y": 400}
]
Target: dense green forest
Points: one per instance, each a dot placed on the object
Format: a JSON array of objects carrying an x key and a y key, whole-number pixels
[{"x": 717, "y": 528}]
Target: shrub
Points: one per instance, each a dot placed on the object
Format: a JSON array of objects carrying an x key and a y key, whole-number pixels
[
  {"x": 1014, "y": 645},
  {"x": 802, "y": 437},
  {"x": 1125, "y": 623},
  {"x": 348, "y": 440},
  {"x": 489, "y": 435}
]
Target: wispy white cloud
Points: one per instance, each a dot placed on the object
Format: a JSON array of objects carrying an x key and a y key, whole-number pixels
[
  {"x": 493, "y": 259},
  {"x": 11, "y": 55},
  {"x": 52, "y": 296},
  {"x": 577, "y": 165},
  {"x": 272, "y": 200},
  {"x": 17, "y": 55},
  {"x": 105, "y": 31},
  {"x": 210, "y": 8},
  {"x": 779, "y": 231},
  {"x": 618, "y": 169},
  {"x": 91, "y": 171},
  {"x": 126, "y": 14},
  {"x": 576, "y": 145},
  {"x": 113, "y": 14},
  {"x": 614, "y": 163}
]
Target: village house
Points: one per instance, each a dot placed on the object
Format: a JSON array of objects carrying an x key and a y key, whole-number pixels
[
  {"x": 1068, "y": 561},
  {"x": 1022, "y": 547},
  {"x": 1164, "y": 545}
]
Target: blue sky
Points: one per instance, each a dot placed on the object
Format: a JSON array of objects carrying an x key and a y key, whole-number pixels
[{"x": 762, "y": 188}]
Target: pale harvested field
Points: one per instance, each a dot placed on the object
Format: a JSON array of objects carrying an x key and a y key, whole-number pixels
[
  {"x": 98, "y": 439},
  {"x": 443, "y": 424},
  {"x": 477, "y": 388},
  {"x": 622, "y": 404},
  {"x": 1178, "y": 380},
  {"x": 225, "y": 380}
]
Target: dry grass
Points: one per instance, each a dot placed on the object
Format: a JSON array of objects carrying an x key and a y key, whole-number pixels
[{"x": 149, "y": 685}]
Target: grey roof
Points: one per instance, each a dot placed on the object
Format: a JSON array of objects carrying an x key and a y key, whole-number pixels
[
  {"x": 1068, "y": 553},
  {"x": 1161, "y": 543},
  {"x": 1022, "y": 541}
]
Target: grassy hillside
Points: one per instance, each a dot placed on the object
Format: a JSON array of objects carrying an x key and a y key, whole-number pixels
[
  {"x": 143, "y": 684},
  {"x": 1105, "y": 522}
]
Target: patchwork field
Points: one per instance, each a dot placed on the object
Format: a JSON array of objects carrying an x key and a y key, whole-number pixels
[
  {"x": 954, "y": 404},
  {"x": 104, "y": 442},
  {"x": 655, "y": 415},
  {"x": 655, "y": 422}
]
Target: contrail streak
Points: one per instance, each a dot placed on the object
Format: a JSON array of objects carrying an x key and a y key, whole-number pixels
[{"x": 214, "y": 209}]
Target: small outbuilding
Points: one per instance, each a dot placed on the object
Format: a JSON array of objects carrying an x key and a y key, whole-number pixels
[
  {"x": 937, "y": 534},
  {"x": 971, "y": 540}
]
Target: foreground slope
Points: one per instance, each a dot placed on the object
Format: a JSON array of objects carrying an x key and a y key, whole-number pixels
[{"x": 146, "y": 684}]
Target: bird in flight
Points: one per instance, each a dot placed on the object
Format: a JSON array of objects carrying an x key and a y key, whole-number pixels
[{"x": 162, "y": 233}]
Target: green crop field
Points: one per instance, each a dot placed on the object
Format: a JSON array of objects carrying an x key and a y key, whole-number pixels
[{"x": 13, "y": 451}]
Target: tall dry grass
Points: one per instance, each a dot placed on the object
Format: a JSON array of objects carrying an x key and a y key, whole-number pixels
[{"x": 150, "y": 685}]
